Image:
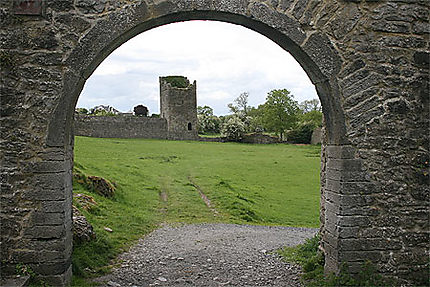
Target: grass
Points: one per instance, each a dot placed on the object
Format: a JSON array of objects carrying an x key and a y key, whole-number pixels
[
  {"x": 311, "y": 259},
  {"x": 210, "y": 135},
  {"x": 159, "y": 181}
]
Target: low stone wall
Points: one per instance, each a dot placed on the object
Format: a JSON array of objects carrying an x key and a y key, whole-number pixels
[
  {"x": 216, "y": 139},
  {"x": 120, "y": 127},
  {"x": 257, "y": 138}
]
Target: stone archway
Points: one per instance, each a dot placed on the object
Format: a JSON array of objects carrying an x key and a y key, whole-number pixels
[{"x": 47, "y": 59}]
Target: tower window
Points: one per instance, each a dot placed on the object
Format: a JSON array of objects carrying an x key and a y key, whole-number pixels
[{"x": 190, "y": 127}]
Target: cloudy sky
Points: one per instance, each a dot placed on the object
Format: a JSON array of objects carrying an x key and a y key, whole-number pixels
[{"x": 224, "y": 59}]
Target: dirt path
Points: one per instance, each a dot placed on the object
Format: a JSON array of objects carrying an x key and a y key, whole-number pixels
[{"x": 210, "y": 255}]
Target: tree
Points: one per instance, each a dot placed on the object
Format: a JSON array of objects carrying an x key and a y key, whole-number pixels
[
  {"x": 233, "y": 128},
  {"x": 314, "y": 118},
  {"x": 205, "y": 111},
  {"x": 280, "y": 112},
  {"x": 241, "y": 104},
  {"x": 241, "y": 109},
  {"x": 141, "y": 111},
  {"x": 310, "y": 105},
  {"x": 256, "y": 119}
]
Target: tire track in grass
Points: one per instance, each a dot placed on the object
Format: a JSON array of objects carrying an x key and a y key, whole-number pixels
[
  {"x": 164, "y": 196},
  {"x": 203, "y": 196}
]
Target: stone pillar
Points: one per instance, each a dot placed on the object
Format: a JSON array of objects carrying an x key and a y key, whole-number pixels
[
  {"x": 347, "y": 210},
  {"x": 37, "y": 228}
]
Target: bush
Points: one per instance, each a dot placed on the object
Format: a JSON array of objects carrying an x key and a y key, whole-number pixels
[
  {"x": 233, "y": 129},
  {"x": 311, "y": 259},
  {"x": 208, "y": 124}
]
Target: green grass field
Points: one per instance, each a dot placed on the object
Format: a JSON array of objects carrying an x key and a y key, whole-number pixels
[{"x": 161, "y": 181}]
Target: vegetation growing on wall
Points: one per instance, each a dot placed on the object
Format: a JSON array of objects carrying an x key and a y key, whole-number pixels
[{"x": 177, "y": 81}]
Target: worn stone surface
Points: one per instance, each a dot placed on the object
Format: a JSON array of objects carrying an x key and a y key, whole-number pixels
[
  {"x": 179, "y": 107},
  {"x": 120, "y": 127},
  {"x": 367, "y": 59},
  {"x": 210, "y": 255},
  {"x": 257, "y": 138}
]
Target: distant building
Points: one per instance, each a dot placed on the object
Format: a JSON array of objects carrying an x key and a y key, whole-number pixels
[{"x": 178, "y": 105}]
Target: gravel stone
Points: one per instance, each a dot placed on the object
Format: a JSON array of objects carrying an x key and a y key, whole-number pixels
[{"x": 210, "y": 255}]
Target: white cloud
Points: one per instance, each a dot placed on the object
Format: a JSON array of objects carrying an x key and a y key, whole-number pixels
[{"x": 225, "y": 59}]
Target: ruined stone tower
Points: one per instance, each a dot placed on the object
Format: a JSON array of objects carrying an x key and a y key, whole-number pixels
[{"x": 178, "y": 105}]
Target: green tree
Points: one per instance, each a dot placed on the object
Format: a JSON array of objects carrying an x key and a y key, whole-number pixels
[
  {"x": 205, "y": 111},
  {"x": 256, "y": 119},
  {"x": 313, "y": 118},
  {"x": 310, "y": 119},
  {"x": 280, "y": 112}
]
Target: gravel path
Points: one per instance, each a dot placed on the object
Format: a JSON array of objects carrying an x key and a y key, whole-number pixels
[{"x": 210, "y": 255}]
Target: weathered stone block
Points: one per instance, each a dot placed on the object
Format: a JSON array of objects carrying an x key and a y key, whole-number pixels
[
  {"x": 360, "y": 256},
  {"x": 391, "y": 27},
  {"x": 58, "y": 268},
  {"x": 44, "y": 195},
  {"x": 52, "y": 181},
  {"x": 353, "y": 221},
  {"x": 43, "y": 218},
  {"x": 54, "y": 206},
  {"x": 347, "y": 176},
  {"x": 47, "y": 167},
  {"x": 369, "y": 244},
  {"x": 340, "y": 152},
  {"x": 231, "y": 6},
  {"x": 283, "y": 23},
  {"x": 321, "y": 51},
  {"x": 45, "y": 232},
  {"x": 26, "y": 256},
  {"x": 345, "y": 164}
]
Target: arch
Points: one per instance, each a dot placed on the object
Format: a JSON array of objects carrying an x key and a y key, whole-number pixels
[
  {"x": 312, "y": 49},
  {"x": 370, "y": 74},
  {"x": 190, "y": 127}
]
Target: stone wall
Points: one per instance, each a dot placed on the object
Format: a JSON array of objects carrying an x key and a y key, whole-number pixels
[
  {"x": 368, "y": 60},
  {"x": 120, "y": 127},
  {"x": 258, "y": 138},
  {"x": 316, "y": 136}
]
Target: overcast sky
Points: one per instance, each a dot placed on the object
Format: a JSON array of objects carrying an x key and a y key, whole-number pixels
[{"x": 224, "y": 59}]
